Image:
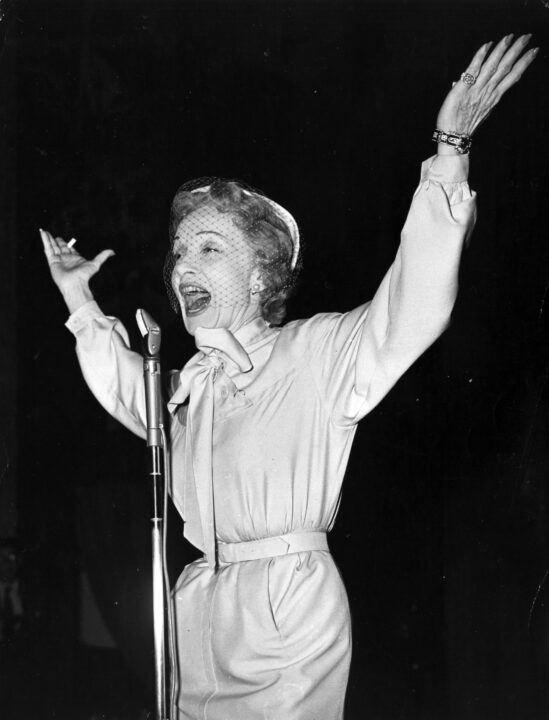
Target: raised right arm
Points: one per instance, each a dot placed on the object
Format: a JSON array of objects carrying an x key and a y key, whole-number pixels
[{"x": 113, "y": 372}]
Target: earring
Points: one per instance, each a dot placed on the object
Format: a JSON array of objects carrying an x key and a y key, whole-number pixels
[{"x": 256, "y": 288}]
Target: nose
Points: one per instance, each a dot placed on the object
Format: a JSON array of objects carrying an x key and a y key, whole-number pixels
[
  {"x": 185, "y": 262},
  {"x": 185, "y": 269}
]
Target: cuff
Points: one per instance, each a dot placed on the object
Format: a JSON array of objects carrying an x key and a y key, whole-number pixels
[
  {"x": 80, "y": 318},
  {"x": 446, "y": 168}
]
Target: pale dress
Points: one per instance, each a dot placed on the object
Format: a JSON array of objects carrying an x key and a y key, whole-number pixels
[{"x": 270, "y": 639}]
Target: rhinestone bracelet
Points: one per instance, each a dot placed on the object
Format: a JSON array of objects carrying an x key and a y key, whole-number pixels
[{"x": 462, "y": 143}]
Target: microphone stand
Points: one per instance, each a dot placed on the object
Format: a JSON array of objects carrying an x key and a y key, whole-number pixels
[{"x": 151, "y": 334}]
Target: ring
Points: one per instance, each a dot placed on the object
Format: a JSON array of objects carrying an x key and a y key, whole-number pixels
[{"x": 468, "y": 79}]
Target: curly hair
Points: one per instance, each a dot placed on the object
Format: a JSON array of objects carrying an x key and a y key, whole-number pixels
[{"x": 266, "y": 232}]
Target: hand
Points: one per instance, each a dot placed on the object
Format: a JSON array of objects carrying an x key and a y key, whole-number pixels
[
  {"x": 467, "y": 106},
  {"x": 70, "y": 271}
]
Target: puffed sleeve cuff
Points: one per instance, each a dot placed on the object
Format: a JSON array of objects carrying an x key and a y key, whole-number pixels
[
  {"x": 446, "y": 169},
  {"x": 81, "y": 317},
  {"x": 449, "y": 172}
]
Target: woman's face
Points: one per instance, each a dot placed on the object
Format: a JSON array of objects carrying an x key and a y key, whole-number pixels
[{"x": 214, "y": 272}]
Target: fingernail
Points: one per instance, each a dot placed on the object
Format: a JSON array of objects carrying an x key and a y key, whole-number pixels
[
  {"x": 509, "y": 38},
  {"x": 535, "y": 51}
]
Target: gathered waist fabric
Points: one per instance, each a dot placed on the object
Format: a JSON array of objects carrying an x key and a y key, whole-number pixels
[{"x": 272, "y": 546}]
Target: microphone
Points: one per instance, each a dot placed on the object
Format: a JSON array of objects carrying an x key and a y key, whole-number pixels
[
  {"x": 150, "y": 331},
  {"x": 152, "y": 336}
]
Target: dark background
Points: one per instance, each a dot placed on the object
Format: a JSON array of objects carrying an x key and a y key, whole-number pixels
[{"x": 443, "y": 533}]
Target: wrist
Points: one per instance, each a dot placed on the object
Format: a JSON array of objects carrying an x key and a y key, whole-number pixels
[
  {"x": 444, "y": 149},
  {"x": 76, "y": 294}
]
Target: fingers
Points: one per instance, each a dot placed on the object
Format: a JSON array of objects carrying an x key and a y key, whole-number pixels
[
  {"x": 64, "y": 247},
  {"x": 476, "y": 63},
  {"x": 517, "y": 71},
  {"x": 51, "y": 247},
  {"x": 55, "y": 246},
  {"x": 490, "y": 66},
  {"x": 503, "y": 67},
  {"x": 508, "y": 60}
]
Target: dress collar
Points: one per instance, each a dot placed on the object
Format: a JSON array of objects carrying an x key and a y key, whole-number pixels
[{"x": 235, "y": 347}]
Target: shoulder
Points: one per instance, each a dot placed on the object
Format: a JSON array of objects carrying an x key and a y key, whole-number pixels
[
  {"x": 306, "y": 326},
  {"x": 303, "y": 336},
  {"x": 324, "y": 322}
]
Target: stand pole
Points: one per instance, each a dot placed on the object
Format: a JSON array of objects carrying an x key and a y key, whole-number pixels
[{"x": 159, "y": 600}]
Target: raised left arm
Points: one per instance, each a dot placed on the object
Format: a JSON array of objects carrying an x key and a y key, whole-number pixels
[{"x": 414, "y": 302}]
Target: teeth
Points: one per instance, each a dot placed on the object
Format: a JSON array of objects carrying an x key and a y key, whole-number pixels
[
  {"x": 186, "y": 289},
  {"x": 195, "y": 298}
]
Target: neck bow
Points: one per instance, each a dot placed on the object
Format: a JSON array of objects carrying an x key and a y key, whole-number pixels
[{"x": 197, "y": 383}]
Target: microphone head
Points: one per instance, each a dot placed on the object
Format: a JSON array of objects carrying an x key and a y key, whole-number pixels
[{"x": 150, "y": 331}]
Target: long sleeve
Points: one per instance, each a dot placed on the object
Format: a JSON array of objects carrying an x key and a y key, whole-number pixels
[
  {"x": 113, "y": 372},
  {"x": 358, "y": 356}
]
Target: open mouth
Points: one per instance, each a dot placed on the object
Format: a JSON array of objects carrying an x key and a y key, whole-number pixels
[{"x": 195, "y": 298}]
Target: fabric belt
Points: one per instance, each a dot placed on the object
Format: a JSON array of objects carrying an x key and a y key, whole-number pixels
[{"x": 272, "y": 546}]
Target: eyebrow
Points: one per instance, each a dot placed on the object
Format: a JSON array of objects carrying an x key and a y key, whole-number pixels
[
  {"x": 212, "y": 232},
  {"x": 206, "y": 232}
]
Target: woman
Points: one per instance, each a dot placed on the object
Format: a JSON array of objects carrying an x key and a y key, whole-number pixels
[{"x": 264, "y": 416}]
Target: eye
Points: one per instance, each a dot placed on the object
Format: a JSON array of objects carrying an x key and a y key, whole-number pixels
[
  {"x": 207, "y": 249},
  {"x": 178, "y": 251}
]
